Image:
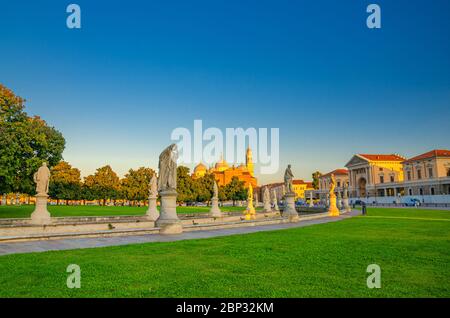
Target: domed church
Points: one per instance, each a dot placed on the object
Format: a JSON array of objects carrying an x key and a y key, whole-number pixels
[{"x": 224, "y": 173}]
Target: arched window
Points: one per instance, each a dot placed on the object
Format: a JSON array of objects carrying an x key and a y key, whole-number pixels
[
  {"x": 410, "y": 191},
  {"x": 421, "y": 191}
]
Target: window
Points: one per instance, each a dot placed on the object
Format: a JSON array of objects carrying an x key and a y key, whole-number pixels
[
  {"x": 410, "y": 191},
  {"x": 339, "y": 184},
  {"x": 432, "y": 191},
  {"x": 448, "y": 172},
  {"x": 392, "y": 178},
  {"x": 381, "y": 169},
  {"x": 409, "y": 175},
  {"x": 381, "y": 179},
  {"x": 421, "y": 191},
  {"x": 419, "y": 174},
  {"x": 430, "y": 173}
]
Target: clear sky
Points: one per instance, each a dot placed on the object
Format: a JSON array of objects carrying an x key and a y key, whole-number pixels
[{"x": 311, "y": 68}]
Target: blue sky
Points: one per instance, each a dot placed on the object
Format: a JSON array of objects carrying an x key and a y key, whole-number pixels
[{"x": 311, "y": 68}]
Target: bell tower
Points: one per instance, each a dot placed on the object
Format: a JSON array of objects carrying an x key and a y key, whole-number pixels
[{"x": 249, "y": 160}]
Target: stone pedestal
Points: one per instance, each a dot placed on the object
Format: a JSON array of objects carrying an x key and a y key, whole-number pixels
[
  {"x": 40, "y": 215},
  {"x": 332, "y": 208},
  {"x": 215, "y": 210},
  {"x": 152, "y": 211},
  {"x": 168, "y": 220},
  {"x": 289, "y": 210}
]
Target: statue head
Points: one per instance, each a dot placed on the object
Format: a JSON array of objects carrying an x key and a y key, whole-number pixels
[{"x": 289, "y": 166}]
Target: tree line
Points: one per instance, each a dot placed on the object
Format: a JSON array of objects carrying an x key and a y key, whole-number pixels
[
  {"x": 105, "y": 184},
  {"x": 27, "y": 141}
]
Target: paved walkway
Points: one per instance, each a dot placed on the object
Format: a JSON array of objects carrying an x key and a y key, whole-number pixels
[{"x": 68, "y": 244}]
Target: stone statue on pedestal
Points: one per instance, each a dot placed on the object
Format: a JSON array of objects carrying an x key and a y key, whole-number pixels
[
  {"x": 332, "y": 209},
  {"x": 40, "y": 215},
  {"x": 215, "y": 210},
  {"x": 152, "y": 211},
  {"x": 168, "y": 220},
  {"x": 168, "y": 169},
  {"x": 289, "y": 210},
  {"x": 42, "y": 179},
  {"x": 250, "y": 210},
  {"x": 275, "y": 201},
  {"x": 311, "y": 201},
  {"x": 266, "y": 200},
  {"x": 288, "y": 180},
  {"x": 345, "y": 198}
]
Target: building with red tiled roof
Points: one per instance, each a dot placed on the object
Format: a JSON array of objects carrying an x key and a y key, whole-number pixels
[
  {"x": 341, "y": 176},
  {"x": 368, "y": 171},
  {"x": 300, "y": 187},
  {"x": 390, "y": 175},
  {"x": 382, "y": 157},
  {"x": 428, "y": 173}
]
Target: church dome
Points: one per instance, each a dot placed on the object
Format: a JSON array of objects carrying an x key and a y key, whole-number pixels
[
  {"x": 221, "y": 165},
  {"x": 200, "y": 168}
]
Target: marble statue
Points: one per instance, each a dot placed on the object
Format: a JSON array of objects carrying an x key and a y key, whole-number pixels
[
  {"x": 332, "y": 208},
  {"x": 168, "y": 169},
  {"x": 215, "y": 210},
  {"x": 345, "y": 203},
  {"x": 215, "y": 191},
  {"x": 42, "y": 179},
  {"x": 332, "y": 185},
  {"x": 266, "y": 200},
  {"x": 250, "y": 210},
  {"x": 40, "y": 215},
  {"x": 275, "y": 201},
  {"x": 311, "y": 200},
  {"x": 152, "y": 211},
  {"x": 289, "y": 209},
  {"x": 288, "y": 180},
  {"x": 168, "y": 221}
]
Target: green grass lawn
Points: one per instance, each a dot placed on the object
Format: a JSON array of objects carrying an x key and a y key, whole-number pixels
[
  {"x": 326, "y": 260},
  {"x": 24, "y": 211}
]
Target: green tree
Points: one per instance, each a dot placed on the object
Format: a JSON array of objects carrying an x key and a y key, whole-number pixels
[
  {"x": 65, "y": 182},
  {"x": 204, "y": 188},
  {"x": 315, "y": 177},
  {"x": 25, "y": 142},
  {"x": 135, "y": 185},
  {"x": 103, "y": 185},
  {"x": 185, "y": 185},
  {"x": 235, "y": 190}
]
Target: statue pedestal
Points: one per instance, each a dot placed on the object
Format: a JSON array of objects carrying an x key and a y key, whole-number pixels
[
  {"x": 168, "y": 220},
  {"x": 215, "y": 211},
  {"x": 289, "y": 210},
  {"x": 40, "y": 215},
  {"x": 152, "y": 211},
  {"x": 332, "y": 209}
]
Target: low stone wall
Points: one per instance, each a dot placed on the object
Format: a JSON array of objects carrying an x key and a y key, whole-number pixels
[{"x": 65, "y": 225}]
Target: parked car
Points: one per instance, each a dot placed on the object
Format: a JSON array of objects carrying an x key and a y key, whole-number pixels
[{"x": 412, "y": 202}]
